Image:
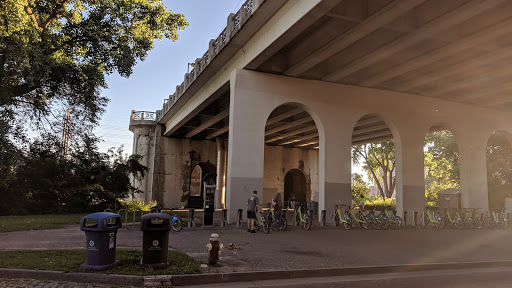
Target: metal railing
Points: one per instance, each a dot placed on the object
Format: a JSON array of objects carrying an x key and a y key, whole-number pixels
[
  {"x": 144, "y": 115},
  {"x": 234, "y": 24}
]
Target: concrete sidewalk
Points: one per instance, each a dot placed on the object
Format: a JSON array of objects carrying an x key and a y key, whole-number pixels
[{"x": 296, "y": 248}]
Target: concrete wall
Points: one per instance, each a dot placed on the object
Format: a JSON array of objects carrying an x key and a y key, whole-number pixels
[{"x": 279, "y": 160}]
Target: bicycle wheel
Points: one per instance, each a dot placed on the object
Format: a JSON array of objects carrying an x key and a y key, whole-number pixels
[
  {"x": 385, "y": 223},
  {"x": 283, "y": 224},
  {"x": 336, "y": 219},
  {"x": 440, "y": 223},
  {"x": 366, "y": 224},
  {"x": 266, "y": 227},
  {"x": 459, "y": 224},
  {"x": 307, "y": 224},
  {"x": 488, "y": 222},
  {"x": 376, "y": 224},
  {"x": 177, "y": 225},
  {"x": 502, "y": 224},
  {"x": 469, "y": 223},
  {"x": 348, "y": 223},
  {"x": 297, "y": 219},
  {"x": 479, "y": 223},
  {"x": 398, "y": 223}
]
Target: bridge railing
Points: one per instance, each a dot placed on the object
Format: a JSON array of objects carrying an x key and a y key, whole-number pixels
[{"x": 234, "y": 24}]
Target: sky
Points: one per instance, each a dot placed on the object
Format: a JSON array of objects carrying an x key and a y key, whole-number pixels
[{"x": 156, "y": 77}]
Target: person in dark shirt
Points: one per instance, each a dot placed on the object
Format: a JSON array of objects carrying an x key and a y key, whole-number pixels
[
  {"x": 277, "y": 203},
  {"x": 252, "y": 203}
]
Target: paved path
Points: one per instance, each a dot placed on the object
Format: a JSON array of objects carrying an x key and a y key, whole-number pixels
[{"x": 321, "y": 247}]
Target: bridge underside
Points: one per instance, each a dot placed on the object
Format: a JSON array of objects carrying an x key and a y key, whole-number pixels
[
  {"x": 450, "y": 50},
  {"x": 387, "y": 69}
]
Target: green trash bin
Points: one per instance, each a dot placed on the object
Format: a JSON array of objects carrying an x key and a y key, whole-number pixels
[
  {"x": 100, "y": 239},
  {"x": 155, "y": 240}
]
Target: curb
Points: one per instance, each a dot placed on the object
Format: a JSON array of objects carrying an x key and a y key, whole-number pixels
[
  {"x": 112, "y": 279},
  {"x": 199, "y": 279}
]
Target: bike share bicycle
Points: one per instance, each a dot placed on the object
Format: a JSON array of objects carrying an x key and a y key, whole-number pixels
[
  {"x": 282, "y": 223},
  {"x": 345, "y": 219},
  {"x": 301, "y": 217}
]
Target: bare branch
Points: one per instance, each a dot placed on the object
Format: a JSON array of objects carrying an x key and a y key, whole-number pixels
[
  {"x": 54, "y": 14},
  {"x": 29, "y": 12}
]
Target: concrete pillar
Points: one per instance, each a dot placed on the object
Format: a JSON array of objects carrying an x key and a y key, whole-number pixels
[
  {"x": 144, "y": 145},
  {"x": 473, "y": 169},
  {"x": 221, "y": 172},
  {"x": 245, "y": 145},
  {"x": 335, "y": 163},
  {"x": 409, "y": 171}
]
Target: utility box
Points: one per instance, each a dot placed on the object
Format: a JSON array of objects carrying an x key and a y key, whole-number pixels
[
  {"x": 100, "y": 239},
  {"x": 155, "y": 240},
  {"x": 449, "y": 198}
]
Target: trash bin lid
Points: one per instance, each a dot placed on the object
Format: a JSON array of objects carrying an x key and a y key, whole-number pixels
[
  {"x": 155, "y": 222},
  {"x": 100, "y": 222}
]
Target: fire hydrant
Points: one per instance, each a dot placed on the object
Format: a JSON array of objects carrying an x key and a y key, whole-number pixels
[{"x": 214, "y": 248}]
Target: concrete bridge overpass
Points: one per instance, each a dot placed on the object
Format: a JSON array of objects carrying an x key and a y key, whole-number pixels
[{"x": 293, "y": 84}]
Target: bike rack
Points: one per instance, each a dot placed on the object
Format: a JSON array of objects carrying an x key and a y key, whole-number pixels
[
  {"x": 323, "y": 217},
  {"x": 191, "y": 222},
  {"x": 239, "y": 218},
  {"x": 224, "y": 220},
  {"x": 108, "y": 210},
  {"x": 405, "y": 218}
]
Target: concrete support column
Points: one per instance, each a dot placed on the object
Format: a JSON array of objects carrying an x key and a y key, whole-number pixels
[
  {"x": 473, "y": 170},
  {"x": 335, "y": 162},
  {"x": 221, "y": 172},
  {"x": 144, "y": 145},
  {"x": 409, "y": 169},
  {"x": 245, "y": 145}
]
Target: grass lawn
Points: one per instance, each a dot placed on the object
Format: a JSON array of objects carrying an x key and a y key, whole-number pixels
[
  {"x": 70, "y": 260},
  {"x": 38, "y": 222}
]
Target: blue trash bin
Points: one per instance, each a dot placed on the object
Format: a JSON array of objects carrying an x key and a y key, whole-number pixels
[{"x": 100, "y": 239}]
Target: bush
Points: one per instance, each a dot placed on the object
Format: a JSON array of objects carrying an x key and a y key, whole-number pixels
[
  {"x": 132, "y": 205},
  {"x": 381, "y": 202}
]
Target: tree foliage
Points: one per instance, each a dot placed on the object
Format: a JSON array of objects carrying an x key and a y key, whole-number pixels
[
  {"x": 378, "y": 160},
  {"x": 441, "y": 164},
  {"x": 359, "y": 187},
  {"x": 499, "y": 169},
  {"x": 55, "y": 53},
  {"x": 44, "y": 182}
]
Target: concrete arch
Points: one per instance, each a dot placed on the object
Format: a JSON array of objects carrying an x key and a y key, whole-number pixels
[
  {"x": 387, "y": 127},
  {"x": 286, "y": 153},
  {"x": 316, "y": 117}
]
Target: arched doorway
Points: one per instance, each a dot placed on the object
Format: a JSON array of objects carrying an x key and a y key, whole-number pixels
[
  {"x": 295, "y": 186},
  {"x": 373, "y": 161},
  {"x": 291, "y": 163}
]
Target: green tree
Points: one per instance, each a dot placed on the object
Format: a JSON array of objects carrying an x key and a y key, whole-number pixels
[
  {"x": 378, "y": 160},
  {"x": 441, "y": 164},
  {"x": 499, "y": 169},
  {"x": 55, "y": 53},
  {"x": 359, "y": 187}
]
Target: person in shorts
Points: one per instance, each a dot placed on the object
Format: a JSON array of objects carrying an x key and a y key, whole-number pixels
[{"x": 252, "y": 203}]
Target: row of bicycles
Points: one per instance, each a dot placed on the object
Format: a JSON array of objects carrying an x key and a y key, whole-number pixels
[
  {"x": 469, "y": 218},
  {"x": 373, "y": 218}
]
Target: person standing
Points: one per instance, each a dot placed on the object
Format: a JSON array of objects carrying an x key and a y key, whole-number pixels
[
  {"x": 252, "y": 203},
  {"x": 277, "y": 203}
]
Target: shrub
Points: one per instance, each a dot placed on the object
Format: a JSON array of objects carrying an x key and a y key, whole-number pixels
[{"x": 132, "y": 205}]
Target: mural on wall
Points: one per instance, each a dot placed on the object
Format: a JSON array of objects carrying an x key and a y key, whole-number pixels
[{"x": 186, "y": 171}]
